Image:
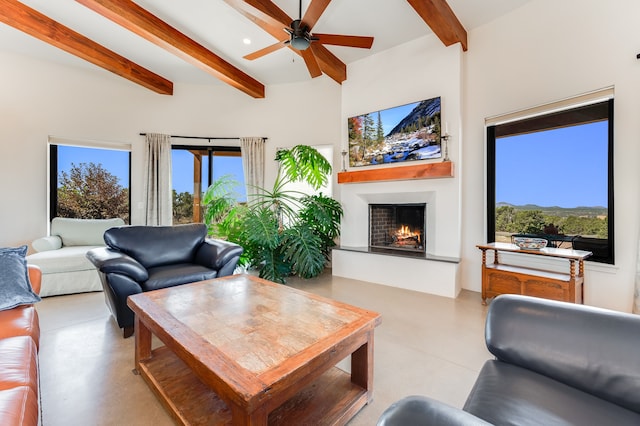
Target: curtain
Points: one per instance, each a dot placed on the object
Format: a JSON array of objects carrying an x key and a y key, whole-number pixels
[
  {"x": 252, "y": 149},
  {"x": 157, "y": 182}
]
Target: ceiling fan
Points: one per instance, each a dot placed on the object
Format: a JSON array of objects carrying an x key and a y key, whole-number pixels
[{"x": 300, "y": 38}]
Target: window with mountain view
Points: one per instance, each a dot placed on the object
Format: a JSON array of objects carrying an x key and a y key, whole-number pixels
[
  {"x": 193, "y": 170},
  {"x": 551, "y": 176},
  {"x": 89, "y": 182}
]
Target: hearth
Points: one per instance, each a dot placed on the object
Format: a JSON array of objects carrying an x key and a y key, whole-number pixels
[{"x": 398, "y": 227}]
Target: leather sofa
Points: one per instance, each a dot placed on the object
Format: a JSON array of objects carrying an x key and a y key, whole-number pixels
[
  {"x": 144, "y": 258},
  {"x": 62, "y": 255},
  {"x": 555, "y": 363},
  {"x": 19, "y": 343}
]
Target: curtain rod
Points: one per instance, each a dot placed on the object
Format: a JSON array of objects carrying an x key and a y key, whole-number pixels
[{"x": 207, "y": 138}]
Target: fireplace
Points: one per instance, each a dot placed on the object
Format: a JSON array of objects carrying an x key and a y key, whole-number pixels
[
  {"x": 356, "y": 259},
  {"x": 398, "y": 227}
]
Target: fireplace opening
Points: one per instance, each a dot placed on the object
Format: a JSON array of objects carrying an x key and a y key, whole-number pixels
[{"x": 397, "y": 227}]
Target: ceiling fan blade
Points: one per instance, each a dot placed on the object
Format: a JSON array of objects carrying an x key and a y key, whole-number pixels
[
  {"x": 265, "y": 14},
  {"x": 345, "y": 40},
  {"x": 312, "y": 64},
  {"x": 260, "y": 53},
  {"x": 314, "y": 11}
]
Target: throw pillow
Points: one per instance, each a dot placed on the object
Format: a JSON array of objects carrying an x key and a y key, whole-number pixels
[{"x": 15, "y": 288}]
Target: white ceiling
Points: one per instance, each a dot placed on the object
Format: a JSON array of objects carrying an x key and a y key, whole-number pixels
[{"x": 221, "y": 29}]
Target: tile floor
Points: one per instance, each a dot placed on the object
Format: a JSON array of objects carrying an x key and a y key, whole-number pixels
[{"x": 427, "y": 345}]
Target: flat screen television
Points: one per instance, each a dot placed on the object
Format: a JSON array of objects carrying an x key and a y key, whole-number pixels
[{"x": 402, "y": 133}]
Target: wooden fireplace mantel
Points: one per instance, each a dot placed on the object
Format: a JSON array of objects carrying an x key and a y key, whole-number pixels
[{"x": 443, "y": 169}]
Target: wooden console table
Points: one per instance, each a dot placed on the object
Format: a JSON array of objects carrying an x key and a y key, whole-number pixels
[{"x": 499, "y": 278}]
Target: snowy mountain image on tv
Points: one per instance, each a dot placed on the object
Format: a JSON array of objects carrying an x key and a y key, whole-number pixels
[{"x": 403, "y": 133}]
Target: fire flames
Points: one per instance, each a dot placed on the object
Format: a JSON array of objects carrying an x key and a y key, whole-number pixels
[{"x": 404, "y": 236}]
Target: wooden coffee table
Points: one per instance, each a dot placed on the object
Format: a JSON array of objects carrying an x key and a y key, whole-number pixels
[{"x": 244, "y": 351}]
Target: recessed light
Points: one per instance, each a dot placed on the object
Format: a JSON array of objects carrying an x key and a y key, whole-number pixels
[{"x": 246, "y": 40}]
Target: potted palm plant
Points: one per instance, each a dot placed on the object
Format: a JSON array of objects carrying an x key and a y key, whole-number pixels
[{"x": 284, "y": 232}]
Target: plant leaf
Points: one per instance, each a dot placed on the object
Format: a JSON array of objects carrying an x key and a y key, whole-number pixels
[
  {"x": 322, "y": 214},
  {"x": 304, "y": 250},
  {"x": 273, "y": 266},
  {"x": 305, "y": 163},
  {"x": 261, "y": 228}
]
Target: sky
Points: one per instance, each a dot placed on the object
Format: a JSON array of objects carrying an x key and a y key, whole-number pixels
[
  {"x": 117, "y": 163},
  {"x": 551, "y": 165},
  {"x": 182, "y": 168}
]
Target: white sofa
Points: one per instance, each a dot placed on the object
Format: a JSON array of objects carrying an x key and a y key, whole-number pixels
[{"x": 62, "y": 255}]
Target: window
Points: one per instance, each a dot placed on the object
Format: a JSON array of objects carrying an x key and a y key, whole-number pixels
[
  {"x": 89, "y": 182},
  {"x": 551, "y": 176},
  {"x": 193, "y": 170}
]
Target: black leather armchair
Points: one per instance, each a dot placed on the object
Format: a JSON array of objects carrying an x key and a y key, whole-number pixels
[
  {"x": 144, "y": 258},
  {"x": 556, "y": 363}
]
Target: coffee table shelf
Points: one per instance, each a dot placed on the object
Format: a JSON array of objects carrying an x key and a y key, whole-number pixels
[{"x": 191, "y": 402}]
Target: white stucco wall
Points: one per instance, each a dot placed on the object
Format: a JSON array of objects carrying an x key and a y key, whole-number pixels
[{"x": 41, "y": 98}]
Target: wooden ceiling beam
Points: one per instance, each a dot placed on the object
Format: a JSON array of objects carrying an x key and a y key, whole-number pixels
[
  {"x": 329, "y": 63},
  {"x": 141, "y": 22},
  {"x": 442, "y": 21},
  {"x": 34, "y": 23}
]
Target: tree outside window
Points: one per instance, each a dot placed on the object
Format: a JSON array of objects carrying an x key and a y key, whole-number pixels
[
  {"x": 194, "y": 168},
  {"x": 89, "y": 183}
]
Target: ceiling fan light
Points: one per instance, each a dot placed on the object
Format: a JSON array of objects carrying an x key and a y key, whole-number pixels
[{"x": 300, "y": 43}]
